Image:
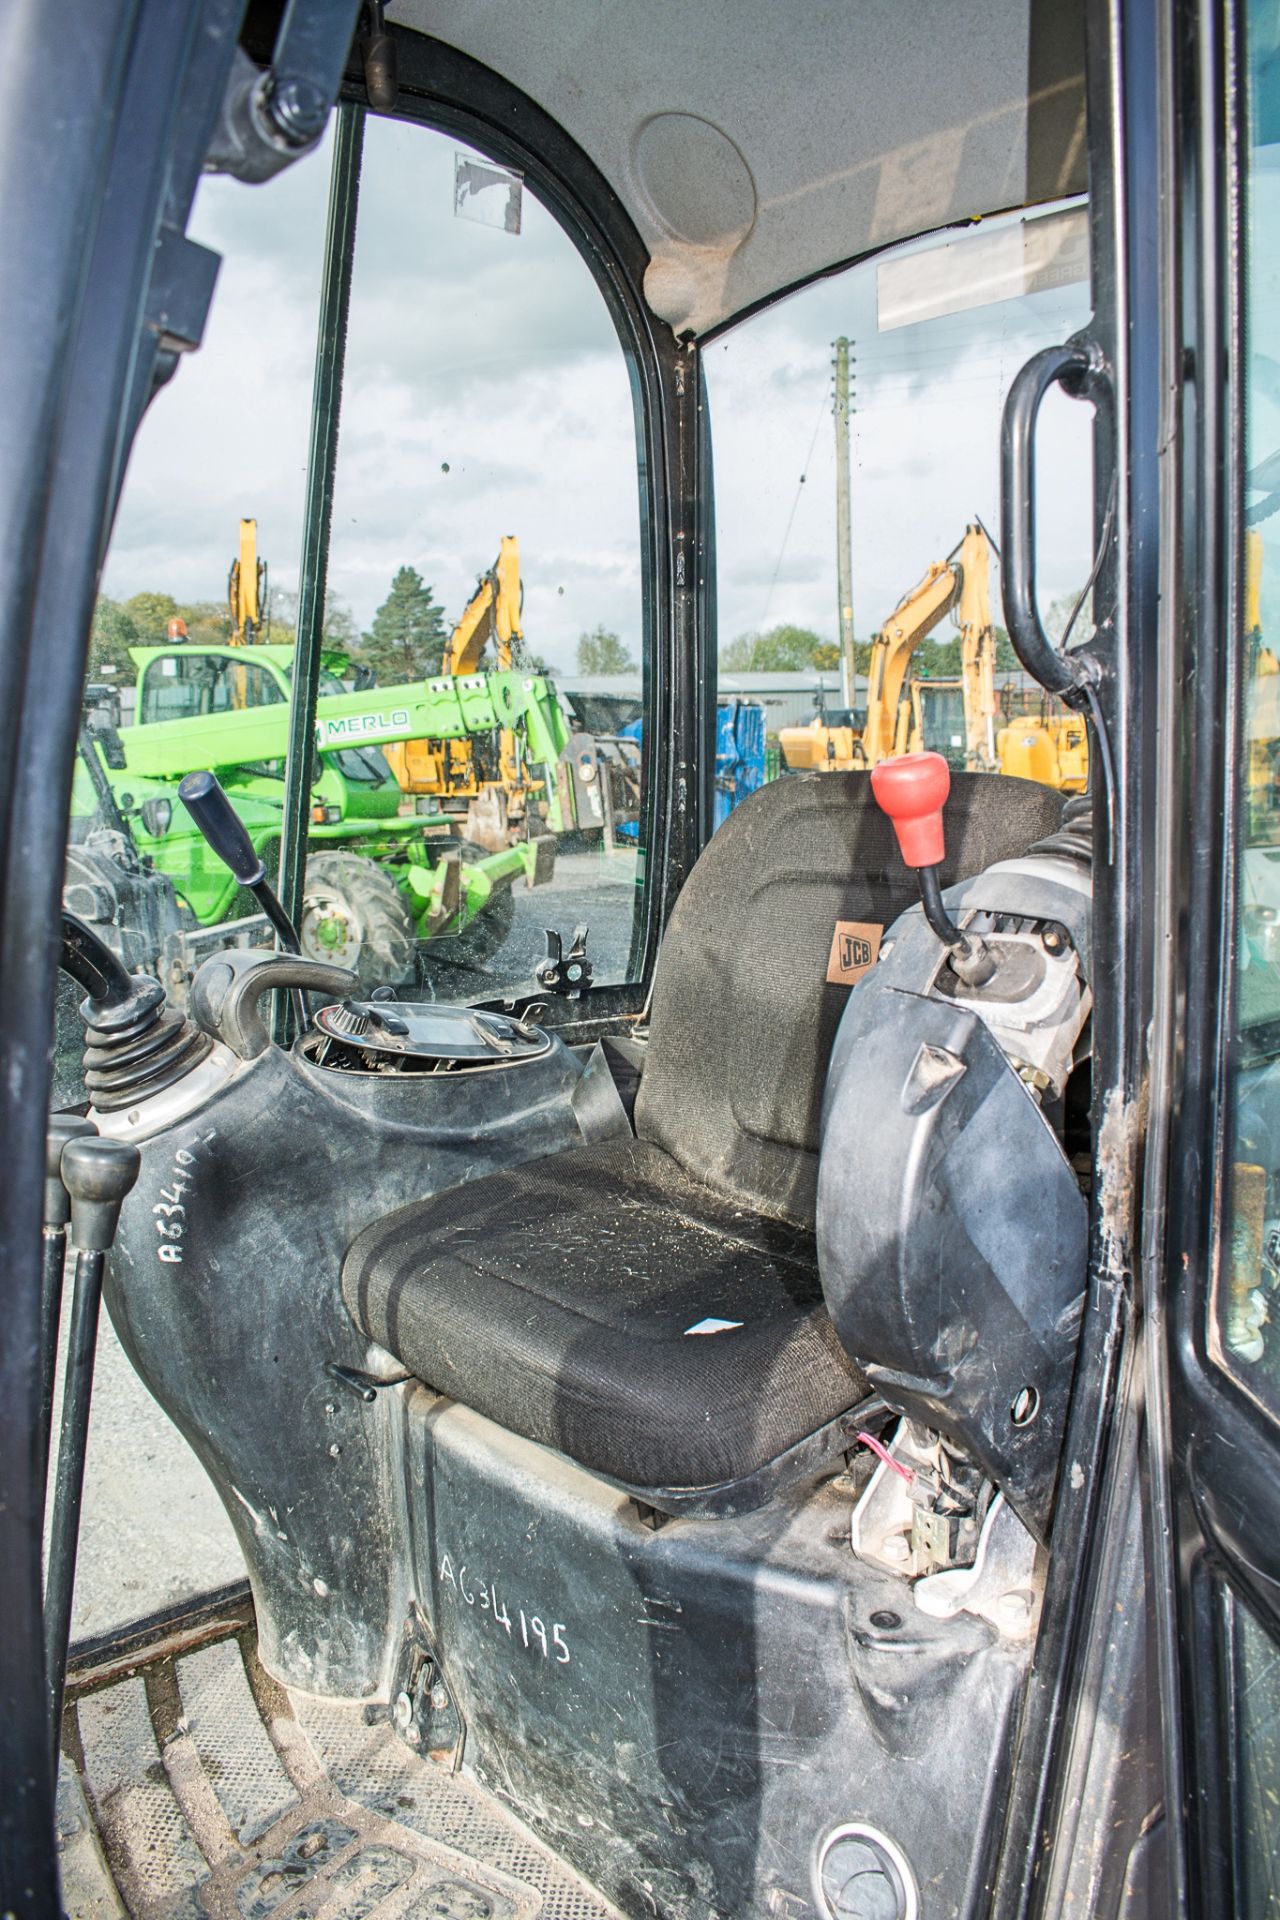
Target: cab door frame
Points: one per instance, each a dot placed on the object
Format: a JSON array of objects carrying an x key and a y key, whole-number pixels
[
  {"x": 1079, "y": 1824},
  {"x": 108, "y": 294},
  {"x": 1214, "y": 1451}
]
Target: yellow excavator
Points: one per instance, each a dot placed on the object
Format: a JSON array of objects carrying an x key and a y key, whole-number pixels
[
  {"x": 962, "y": 581},
  {"x": 1052, "y": 747},
  {"x": 1262, "y": 728},
  {"x": 248, "y": 620},
  {"x": 247, "y": 590},
  {"x": 449, "y": 769}
]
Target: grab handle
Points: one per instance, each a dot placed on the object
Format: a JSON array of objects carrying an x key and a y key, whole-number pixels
[{"x": 1074, "y": 366}]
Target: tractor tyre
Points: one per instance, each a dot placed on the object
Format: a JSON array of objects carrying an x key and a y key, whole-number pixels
[
  {"x": 354, "y": 915},
  {"x": 487, "y": 932}
]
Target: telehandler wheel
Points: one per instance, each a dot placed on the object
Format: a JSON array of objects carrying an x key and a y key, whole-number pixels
[
  {"x": 487, "y": 932},
  {"x": 354, "y": 915}
]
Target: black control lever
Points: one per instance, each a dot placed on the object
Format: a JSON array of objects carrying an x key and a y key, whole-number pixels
[
  {"x": 89, "y": 960},
  {"x": 57, "y": 1212},
  {"x": 205, "y": 800},
  {"x": 97, "y": 1175},
  {"x": 911, "y": 790}
]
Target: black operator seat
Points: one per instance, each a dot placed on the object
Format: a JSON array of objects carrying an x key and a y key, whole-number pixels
[{"x": 651, "y": 1306}]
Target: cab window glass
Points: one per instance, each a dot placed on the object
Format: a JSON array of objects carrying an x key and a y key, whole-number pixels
[
  {"x": 184, "y": 686},
  {"x": 896, "y": 369},
  {"x": 484, "y": 580},
  {"x": 1245, "y": 1310},
  {"x": 1254, "y": 1692},
  {"x": 137, "y": 870}
]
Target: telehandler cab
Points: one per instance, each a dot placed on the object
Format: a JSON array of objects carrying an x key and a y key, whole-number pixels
[{"x": 779, "y": 1418}]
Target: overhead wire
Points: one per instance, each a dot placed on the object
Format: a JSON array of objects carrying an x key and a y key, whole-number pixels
[{"x": 813, "y": 441}]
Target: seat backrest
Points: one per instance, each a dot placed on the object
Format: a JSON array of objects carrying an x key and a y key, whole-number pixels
[{"x": 743, "y": 1016}]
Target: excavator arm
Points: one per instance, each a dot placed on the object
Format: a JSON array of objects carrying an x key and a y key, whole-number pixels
[
  {"x": 911, "y": 621},
  {"x": 977, "y": 650},
  {"x": 961, "y": 581},
  {"x": 491, "y": 614},
  {"x": 247, "y": 589}
]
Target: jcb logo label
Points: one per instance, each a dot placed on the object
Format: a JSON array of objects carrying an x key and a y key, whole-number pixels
[
  {"x": 360, "y": 726},
  {"x": 854, "y": 952},
  {"x": 855, "y": 948}
]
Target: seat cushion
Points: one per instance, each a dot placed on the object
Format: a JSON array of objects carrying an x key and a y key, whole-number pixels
[{"x": 560, "y": 1299}]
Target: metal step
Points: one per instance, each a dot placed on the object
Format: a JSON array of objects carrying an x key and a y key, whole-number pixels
[{"x": 192, "y": 1785}]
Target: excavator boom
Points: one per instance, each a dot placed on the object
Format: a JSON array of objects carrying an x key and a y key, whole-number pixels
[
  {"x": 977, "y": 650},
  {"x": 247, "y": 589},
  {"x": 492, "y": 613},
  {"x": 911, "y": 621}
]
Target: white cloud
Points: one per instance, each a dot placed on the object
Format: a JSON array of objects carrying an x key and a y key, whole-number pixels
[{"x": 486, "y": 393}]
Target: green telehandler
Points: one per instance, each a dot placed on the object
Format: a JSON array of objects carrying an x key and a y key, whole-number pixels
[{"x": 380, "y": 879}]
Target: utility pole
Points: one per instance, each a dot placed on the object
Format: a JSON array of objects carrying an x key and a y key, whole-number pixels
[{"x": 844, "y": 538}]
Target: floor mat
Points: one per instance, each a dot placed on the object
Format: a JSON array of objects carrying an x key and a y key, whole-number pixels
[{"x": 194, "y": 1786}]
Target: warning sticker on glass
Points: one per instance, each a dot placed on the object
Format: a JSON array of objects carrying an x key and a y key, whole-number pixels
[
  {"x": 855, "y": 948},
  {"x": 490, "y": 195}
]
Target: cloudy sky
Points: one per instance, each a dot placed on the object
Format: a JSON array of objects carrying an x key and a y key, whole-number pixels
[{"x": 486, "y": 394}]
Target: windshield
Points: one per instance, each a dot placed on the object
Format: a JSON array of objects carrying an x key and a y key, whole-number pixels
[{"x": 857, "y": 442}]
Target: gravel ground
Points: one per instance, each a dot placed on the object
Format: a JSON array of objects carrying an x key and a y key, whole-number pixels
[
  {"x": 153, "y": 1529},
  {"x": 593, "y": 888}
]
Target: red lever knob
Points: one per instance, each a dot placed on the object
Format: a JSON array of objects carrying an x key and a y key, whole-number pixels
[{"x": 912, "y": 790}]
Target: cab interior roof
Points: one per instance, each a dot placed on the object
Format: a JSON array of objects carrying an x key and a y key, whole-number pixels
[{"x": 756, "y": 145}]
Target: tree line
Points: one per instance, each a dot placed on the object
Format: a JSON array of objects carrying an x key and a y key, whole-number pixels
[
  {"x": 790, "y": 649},
  {"x": 405, "y": 640}
]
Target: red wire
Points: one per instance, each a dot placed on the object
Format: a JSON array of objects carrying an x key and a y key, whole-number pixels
[{"x": 869, "y": 1440}]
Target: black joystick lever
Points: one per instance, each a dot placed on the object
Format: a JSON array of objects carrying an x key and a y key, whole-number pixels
[
  {"x": 912, "y": 791},
  {"x": 135, "y": 1046},
  {"x": 97, "y": 1174},
  {"x": 224, "y": 830},
  {"x": 57, "y": 1212},
  {"x": 205, "y": 800}
]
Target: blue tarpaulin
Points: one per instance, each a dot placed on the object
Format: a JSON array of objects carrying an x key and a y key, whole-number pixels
[{"x": 739, "y": 755}]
